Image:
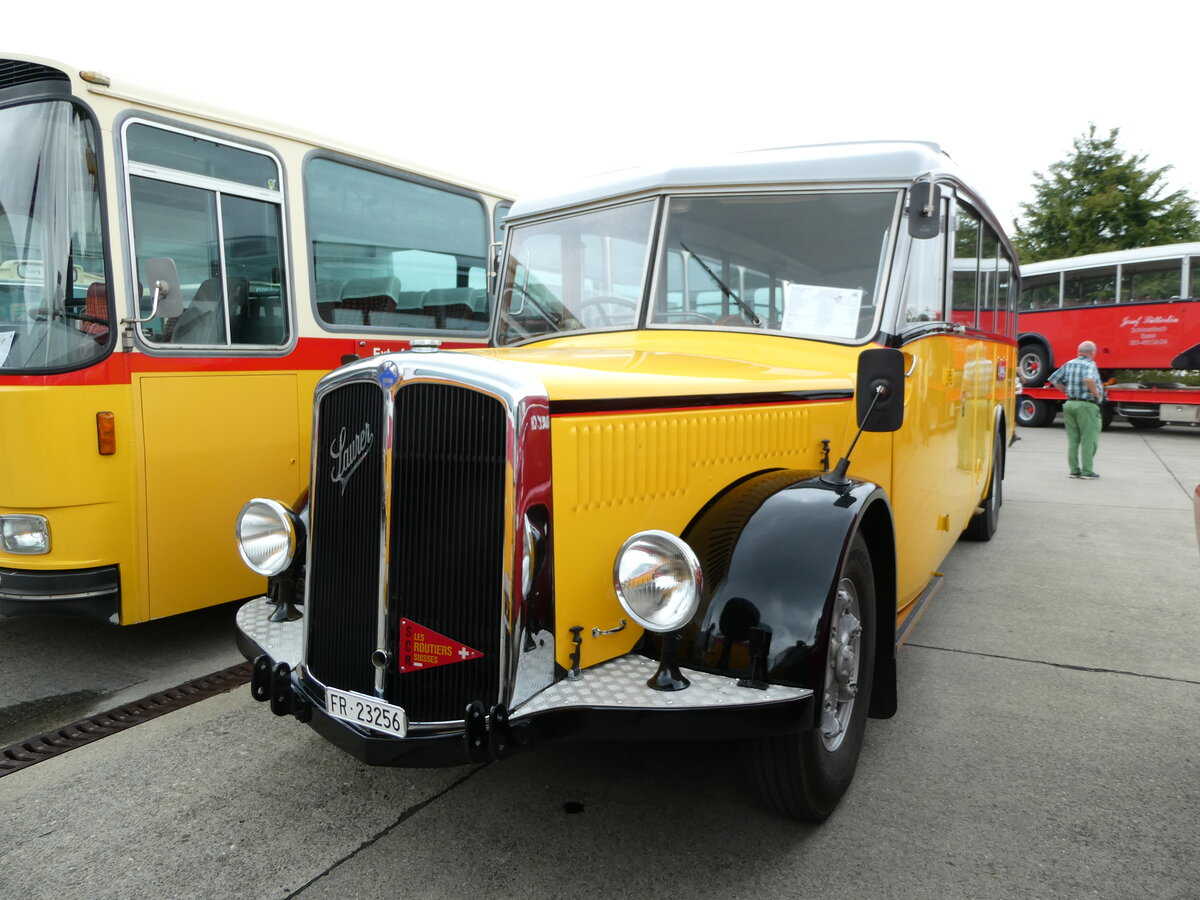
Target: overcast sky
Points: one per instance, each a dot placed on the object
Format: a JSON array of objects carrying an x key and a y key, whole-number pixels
[{"x": 527, "y": 94}]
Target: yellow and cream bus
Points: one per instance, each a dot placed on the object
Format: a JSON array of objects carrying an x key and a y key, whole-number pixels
[{"x": 173, "y": 282}]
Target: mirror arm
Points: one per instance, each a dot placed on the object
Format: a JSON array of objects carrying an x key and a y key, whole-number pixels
[
  {"x": 931, "y": 203},
  {"x": 161, "y": 289},
  {"x": 838, "y": 477}
]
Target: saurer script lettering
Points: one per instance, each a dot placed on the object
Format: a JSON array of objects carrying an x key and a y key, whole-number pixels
[{"x": 348, "y": 454}]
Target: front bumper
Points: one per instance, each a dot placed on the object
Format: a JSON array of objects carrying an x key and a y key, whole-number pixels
[
  {"x": 608, "y": 701},
  {"x": 93, "y": 593}
]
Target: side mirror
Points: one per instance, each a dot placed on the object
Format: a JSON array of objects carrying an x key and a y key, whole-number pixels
[
  {"x": 164, "y": 283},
  {"x": 880, "y": 393},
  {"x": 924, "y": 210}
]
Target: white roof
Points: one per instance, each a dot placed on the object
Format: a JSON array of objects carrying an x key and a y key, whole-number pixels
[
  {"x": 884, "y": 162},
  {"x": 149, "y": 96},
  {"x": 1112, "y": 258}
]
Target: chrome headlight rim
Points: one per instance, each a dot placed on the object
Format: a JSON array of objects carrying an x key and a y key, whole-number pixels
[
  {"x": 671, "y": 547},
  {"x": 274, "y": 557}
]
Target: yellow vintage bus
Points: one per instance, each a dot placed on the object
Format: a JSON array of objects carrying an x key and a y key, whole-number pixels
[
  {"x": 647, "y": 510},
  {"x": 173, "y": 282}
]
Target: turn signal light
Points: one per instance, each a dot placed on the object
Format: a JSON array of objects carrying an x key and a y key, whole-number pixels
[{"x": 106, "y": 433}]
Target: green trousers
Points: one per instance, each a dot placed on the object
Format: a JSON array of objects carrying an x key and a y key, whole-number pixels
[{"x": 1083, "y": 434}]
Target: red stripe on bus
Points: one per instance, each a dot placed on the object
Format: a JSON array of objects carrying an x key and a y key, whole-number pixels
[{"x": 310, "y": 354}]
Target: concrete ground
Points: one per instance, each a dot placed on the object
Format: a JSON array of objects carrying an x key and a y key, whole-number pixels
[
  {"x": 1047, "y": 745},
  {"x": 54, "y": 671}
]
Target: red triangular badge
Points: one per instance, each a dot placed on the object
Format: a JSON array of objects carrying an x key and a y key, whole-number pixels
[{"x": 423, "y": 648}]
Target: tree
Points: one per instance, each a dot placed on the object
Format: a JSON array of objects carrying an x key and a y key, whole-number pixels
[{"x": 1101, "y": 199}]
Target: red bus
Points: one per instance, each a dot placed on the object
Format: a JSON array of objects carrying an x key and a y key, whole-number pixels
[{"x": 1140, "y": 308}]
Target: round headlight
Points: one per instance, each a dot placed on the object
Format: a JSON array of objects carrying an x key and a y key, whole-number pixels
[
  {"x": 266, "y": 536},
  {"x": 657, "y": 577}
]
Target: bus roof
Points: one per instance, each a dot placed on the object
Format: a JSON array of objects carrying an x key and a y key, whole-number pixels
[
  {"x": 102, "y": 84},
  {"x": 871, "y": 162},
  {"x": 1112, "y": 258}
]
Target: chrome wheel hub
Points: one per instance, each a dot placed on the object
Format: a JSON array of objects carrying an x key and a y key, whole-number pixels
[{"x": 842, "y": 665}]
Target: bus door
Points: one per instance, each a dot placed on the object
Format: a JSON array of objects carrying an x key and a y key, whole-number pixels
[
  {"x": 211, "y": 441},
  {"x": 217, "y": 399}
]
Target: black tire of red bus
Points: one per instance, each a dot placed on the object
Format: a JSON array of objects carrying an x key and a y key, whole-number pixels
[
  {"x": 1033, "y": 364},
  {"x": 1145, "y": 423},
  {"x": 1035, "y": 413}
]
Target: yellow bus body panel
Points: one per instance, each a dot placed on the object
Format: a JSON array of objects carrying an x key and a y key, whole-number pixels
[
  {"x": 50, "y": 465},
  {"x": 212, "y": 442},
  {"x": 616, "y": 474}
]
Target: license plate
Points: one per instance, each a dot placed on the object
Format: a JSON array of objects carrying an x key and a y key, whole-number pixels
[{"x": 359, "y": 709}]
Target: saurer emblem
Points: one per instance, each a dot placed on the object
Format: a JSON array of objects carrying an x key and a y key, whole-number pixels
[{"x": 347, "y": 453}]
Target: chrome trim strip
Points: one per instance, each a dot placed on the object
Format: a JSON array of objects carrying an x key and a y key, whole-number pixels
[
  {"x": 81, "y": 595},
  {"x": 385, "y": 522}
]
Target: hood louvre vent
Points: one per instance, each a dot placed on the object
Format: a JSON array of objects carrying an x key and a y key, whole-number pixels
[{"x": 15, "y": 72}]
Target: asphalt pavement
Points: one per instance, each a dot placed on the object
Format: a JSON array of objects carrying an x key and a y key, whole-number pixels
[{"x": 1047, "y": 745}]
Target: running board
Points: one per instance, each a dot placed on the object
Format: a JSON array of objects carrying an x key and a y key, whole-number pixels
[{"x": 931, "y": 589}]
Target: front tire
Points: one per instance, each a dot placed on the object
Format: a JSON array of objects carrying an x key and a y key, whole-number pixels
[{"x": 804, "y": 775}]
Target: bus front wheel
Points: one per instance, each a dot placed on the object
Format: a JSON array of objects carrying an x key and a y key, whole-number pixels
[{"x": 804, "y": 775}]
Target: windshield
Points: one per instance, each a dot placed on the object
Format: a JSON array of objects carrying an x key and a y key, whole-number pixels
[
  {"x": 53, "y": 304},
  {"x": 808, "y": 264},
  {"x": 576, "y": 273}
]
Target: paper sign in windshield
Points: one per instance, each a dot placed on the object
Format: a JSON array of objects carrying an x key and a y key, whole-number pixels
[
  {"x": 423, "y": 648},
  {"x": 6, "y": 342},
  {"x": 823, "y": 311}
]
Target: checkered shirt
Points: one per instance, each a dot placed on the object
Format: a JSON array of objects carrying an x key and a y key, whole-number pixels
[{"x": 1073, "y": 375}]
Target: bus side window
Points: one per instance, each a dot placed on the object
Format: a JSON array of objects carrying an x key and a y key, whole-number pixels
[
  {"x": 392, "y": 251},
  {"x": 965, "y": 289},
  {"x": 925, "y": 281},
  {"x": 1006, "y": 307},
  {"x": 224, "y": 232},
  {"x": 1156, "y": 280},
  {"x": 1091, "y": 287}
]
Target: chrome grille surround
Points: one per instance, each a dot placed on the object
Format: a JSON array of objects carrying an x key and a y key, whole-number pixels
[{"x": 525, "y": 416}]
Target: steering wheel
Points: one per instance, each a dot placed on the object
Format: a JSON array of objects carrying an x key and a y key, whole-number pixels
[
  {"x": 41, "y": 314},
  {"x": 81, "y": 317},
  {"x": 594, "y": 308}
]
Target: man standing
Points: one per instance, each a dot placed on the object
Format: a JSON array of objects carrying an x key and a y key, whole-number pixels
[{"x": 1079, "y": 379}]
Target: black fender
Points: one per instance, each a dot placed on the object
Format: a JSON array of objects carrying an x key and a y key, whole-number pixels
[{"x": 770, "y": 550}]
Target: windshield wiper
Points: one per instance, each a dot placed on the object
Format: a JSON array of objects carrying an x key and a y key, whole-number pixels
[{"x": 749, "y": 311}]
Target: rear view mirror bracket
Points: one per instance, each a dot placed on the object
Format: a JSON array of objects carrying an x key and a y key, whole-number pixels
[
  {"x": 166, "y": 299},
  {"x": 925, "y": 209}
]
